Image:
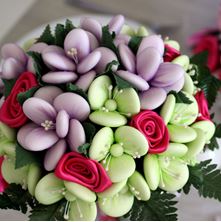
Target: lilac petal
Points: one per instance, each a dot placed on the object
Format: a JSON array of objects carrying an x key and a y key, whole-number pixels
[
  {"x": 107, "y": 56},
  {"x": 89, "y": 62},
  {"x": 148, "y": 62},
  {"x": 48, "y": 93},
  {"x": 152, "y": 98},
  {"x": 127, "y": 57},
  {"x": 116, "y": 24},
  {"x": 68, "y": 101},
  {"x": 167, "y": 74},
  {"x": 76, "y": 135},
  {"x": 62, "y": 124},
  {"x": 59, "y": 77},
  {"x": 13, "y": 51},
  {"x": 58, "y": 61},
  {"x": 55, "y": 49},
  {"x": 78, "y": 40},
  {"x": 39, "y": 110},
  {"x": 93, "y": 41},
  {"x": 177, "y": 86},
  {"x": 30, "y": 65},
  {"x": 35, "y": 138},
  {"x": 85, "y": 80},
  {"x": 54, "y": 154},
  {"x": 38, "y": 47},
  {"x": 154, "y": 41},
  {"x": 11, "y": 68},
  {"x": 121, "y": 39},
  {"x": 92, "y": 25},
  {"x": 134, "y": 79}
]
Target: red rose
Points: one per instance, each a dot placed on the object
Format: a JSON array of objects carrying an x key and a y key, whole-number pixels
[
  {"x": 170, "y": 53},
  {"x": 209, "y": 43},
  {"x": 11, "y": 112},
  {"x": 3, "y": 183},
  {"x": 78, "y": 169},
  {"x": 203, "y": 106},
  {"x": 154, "y": 129}
]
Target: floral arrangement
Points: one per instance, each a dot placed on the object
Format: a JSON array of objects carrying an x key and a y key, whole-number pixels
[{"x": 104, "y": 123}]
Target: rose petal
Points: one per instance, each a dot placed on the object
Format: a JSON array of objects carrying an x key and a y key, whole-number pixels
[
  {"x": 62, "y": 123},
  {"x": 39, "y": 110}
]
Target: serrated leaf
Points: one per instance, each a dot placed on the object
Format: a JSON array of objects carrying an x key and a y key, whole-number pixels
[
  {"x": 206, "y": 178},
  {"x": 48, "y": 212},
  {"x": 39, "y": 66},
  {"x": 60, "y": 35},
  {"x": 181, "y": 97},
  {"x": 160, "y": 207},
  {"x": 89, "y": 130},
  {"x": 69, "y": 25},
  {"x": 21, "y": 97},
  {"x": 70, "y": 87},
  {"x": 121, "y": 83},
  {"x": 200, "y": 58},
  {"x": 134, "y": 43},
  {"x": 24, "y": 157},
  {"x": 47, "y": 36},
  {"x": 213, "y": 144},
  {"x": 16, "y": 198},
  {"x": 8, "y": 85},
  {"x": 84, "y": 148}
]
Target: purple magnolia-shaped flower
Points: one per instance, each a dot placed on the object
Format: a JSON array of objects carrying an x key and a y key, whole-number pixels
[
  {"x": 148, "y": 73},
  {"x": 14, "y": 61},
  {"x": 55, "y": 122}
]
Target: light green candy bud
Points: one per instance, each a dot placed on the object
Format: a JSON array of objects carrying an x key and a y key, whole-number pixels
[
  {"x": 188, "y": 84},
  {"x": 69, "y": 196},
  {"x": 126, "y": 29},
  {"x": 27, "y": 45},
  {"x": 183, "y": 61},
  {"x": 174, "y": 44},
  {"x": 175, "y": 150},
  {"x": 142, "y": 31}
]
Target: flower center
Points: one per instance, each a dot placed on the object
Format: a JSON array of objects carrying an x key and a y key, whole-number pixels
[
  {"x": 110, "y": 105},
  {"x": 116, "y": 150},
  {"x": 73, "y": 53},
  {"x": 47, "y": 125}
]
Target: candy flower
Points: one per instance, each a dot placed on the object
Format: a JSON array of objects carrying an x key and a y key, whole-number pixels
[
  {"x": 76, "y": 168},
  {"x": 3, "y": 183},
  {"x": 153, "y": 128},
  {"x": 203, "y": 106},
  {"x": 11, "y": 112}
]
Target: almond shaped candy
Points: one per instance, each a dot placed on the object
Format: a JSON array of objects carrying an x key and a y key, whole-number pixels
[
  {"x": 80, "y": 191},
  {"x": 7, "y": 148},
  {"x": 7, "y": 132},
  {"x": 181, "y": 134},
  {"x": 174, "y": 176},
  {"x": 151, "y": 171},
  {"x": 175, "y": 150},
  {"x": 185, "y": 114},
  {"x": 127, "y": 100},
  {"x": 69, "y": 196},
  {"x": 133, "y": 141},
  {"x": 119, "y": 168},
  {"x": 168, "y": 107},
  {"x": 101, "y": 143},
  {"x": 139, "y": 187},
  {"x": 142, "y": 31},
  {"x": 116, "y": 206},
  {"x": 113, "y": 190},
  {"x": 207, "y": 127},
  {"x": 98, "y": 91},
  {"x": 188, "y": 84},
  {"x": 85, "y": 80},
  {"x": 196, "y": 146},
  {"x": 49, "y": 189},
  {"x": 183, "y": 61},
  {"x": 34, "y": 175},
  {"x": 82, "y": 211},
  {"x": 110, "y": 119}
]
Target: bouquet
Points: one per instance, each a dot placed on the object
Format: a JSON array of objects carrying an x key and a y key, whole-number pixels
[{"x": 104, "y": 123}]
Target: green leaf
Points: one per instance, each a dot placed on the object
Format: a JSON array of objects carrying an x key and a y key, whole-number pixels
[
  {"x": 69, "y": 26},
  {"x": 70, "y": 87},
  {"x": 48, "y": 212},
  {"x": 21, "y": 97},
  {"x": 200, "y": 58},
  {"x": 89, "y": 130},
  {"x": 39, "y": 66},
  {"x": 212, "y": 145},
  {"x": 181, "y": 97},
  {"x": 121, "y": 83},
  {"x": 134, "y": 43},
  {"x": 206, "y": 178},
  {"x": 8, "y": 86},
  {"x": 84, "y": 148},
  {"x": 160, "y": 207},
  {"x": 25, "y": 157},
  {"x": 60, "y": 35},
  {"x": 47, "y": 36},
  {"x": 16, "y": 198}
]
